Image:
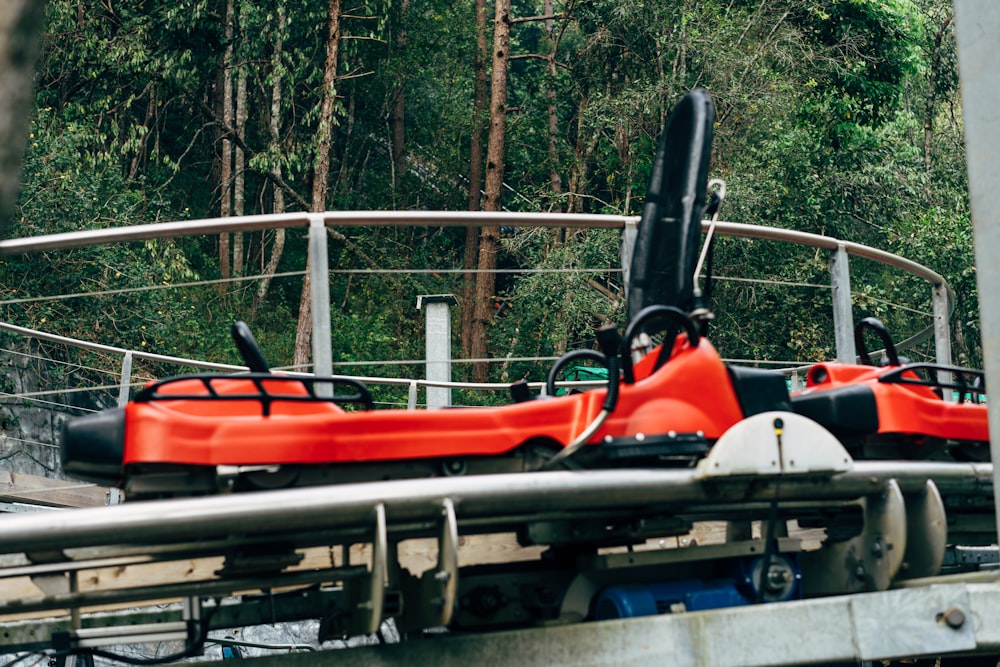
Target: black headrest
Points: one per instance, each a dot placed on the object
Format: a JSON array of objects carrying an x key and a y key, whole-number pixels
[{"x": 666, "y": 247}]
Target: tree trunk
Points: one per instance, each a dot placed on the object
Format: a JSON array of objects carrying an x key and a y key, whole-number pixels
[
  {"x": 555, "y": 180},
  {"x": 20, "y": 36},
  {"x": 930, "y": 103},
  {"x": 581, "y": 156},
  {"x": 342, "y": 182},
  {"x": 139, "y": 157},
  {"x": 226, "y": 171},
  {"x": 278, "y": 198},
  {"x": 398, "y": 135},
  {"x": 399, "y": 106},
  {"x": 489, "y": 236},
  {"x": 321, "y": 173},
  {"x": 239, "y": 166},
  {"x": 475, "y": 177}
]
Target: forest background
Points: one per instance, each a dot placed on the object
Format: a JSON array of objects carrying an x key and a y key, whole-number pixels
[{"x": 839, "y": 117}]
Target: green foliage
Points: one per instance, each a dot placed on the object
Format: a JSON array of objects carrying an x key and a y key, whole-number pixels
[
  {"x": 833, "y": 117},
  {"x": 942, "y": 240},
  {"x": 548, "y": 313}
]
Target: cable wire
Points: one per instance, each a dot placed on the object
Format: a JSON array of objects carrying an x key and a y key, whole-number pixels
[
  {"x": 222, "y": 281},
  {"x": 30, "y": 442},
  {"x": 38, "y": 357},
  {"x": 4, "y": 395}
]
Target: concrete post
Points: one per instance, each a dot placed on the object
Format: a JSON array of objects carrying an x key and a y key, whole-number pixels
[{"x": 437, "y": 310}]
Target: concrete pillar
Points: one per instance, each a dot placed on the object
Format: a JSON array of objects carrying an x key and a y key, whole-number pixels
[{"x": 437, "y": 332}]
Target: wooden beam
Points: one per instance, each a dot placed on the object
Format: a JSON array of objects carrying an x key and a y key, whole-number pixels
[{"x": 20, "y": 488}]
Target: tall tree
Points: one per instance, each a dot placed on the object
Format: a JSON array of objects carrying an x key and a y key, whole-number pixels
[
  {"x": 20, "y": 32},
  {"x": 321, "y": 170},
  {"x": 399, "y": 104},
  {"x": 239, "y": 166},
  {"x": 552, "y": 108},
  {"x": 489, "y": 235},
  {"x": 227, "y": 113},
  {"x": 938, "y": 61},
  {"x": 274, "y": 135},
  {"x": 479, "y": 104}
]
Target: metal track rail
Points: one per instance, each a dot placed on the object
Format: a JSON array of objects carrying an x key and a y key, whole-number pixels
[
  {"x": 895, "y": 513},
  {"x": 486, "y": 499}
]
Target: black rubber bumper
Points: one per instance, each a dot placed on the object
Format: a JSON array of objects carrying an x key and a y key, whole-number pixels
[
  {"x": 93, "y": 447},
  {"x": 847, "y": 411}
]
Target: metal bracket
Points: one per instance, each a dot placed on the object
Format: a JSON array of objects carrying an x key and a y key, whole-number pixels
[
  {"x": 439, "y": 589},
  {"x": 370, "y": 610}
]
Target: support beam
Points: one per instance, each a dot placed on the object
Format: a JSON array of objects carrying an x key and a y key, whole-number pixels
[
  {"x": 942, "y": 326},
  {"x": 629, "y": 234},
  {"x": 319, "y": 267},
  {"x": 932, "y": 620},
  {"x": 126, "y": 379},
  {"x": 977, "y": 25},
  {"x": 843, "y": 314}
]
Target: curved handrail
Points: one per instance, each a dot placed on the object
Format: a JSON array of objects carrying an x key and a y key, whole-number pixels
[
  {"x": 442, "y": 219},
  {"x": 437, "y": 219},
  {"x": 828, "y": 242},
  {"x": 286, "y": 220},
  {"x": 432, "y": 218}
]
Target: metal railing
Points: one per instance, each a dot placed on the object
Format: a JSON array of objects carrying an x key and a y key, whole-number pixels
[
  {"x": 941, "y": 294},
  {"x": 127, "y": 382}
]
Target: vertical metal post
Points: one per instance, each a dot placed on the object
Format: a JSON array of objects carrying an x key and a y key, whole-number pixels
[
  {"x": 942, "y": 334},
  {"x": 114, "y": 496},
  {"x": 629, "y": 235},
  {"x": 437, "y": 309},
  {"x": 123, "y": 390},
  {"x": 977, "y": 26},
  {"x": 796, "y": 381},
  {"x": 942, "y": 327},
  {"x": 319, "y": 274},
  {"x": 843, "y": 315}
]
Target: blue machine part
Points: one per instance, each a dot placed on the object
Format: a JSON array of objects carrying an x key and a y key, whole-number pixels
[
  {"x": 231, "y": 652},
  {"x": 780, "y": 582}
]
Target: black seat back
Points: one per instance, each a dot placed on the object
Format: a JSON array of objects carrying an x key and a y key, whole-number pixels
[
  {"x": 666, "y": 247},
  {"x": 759, "y": 390}
]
